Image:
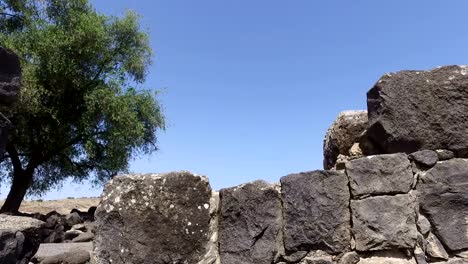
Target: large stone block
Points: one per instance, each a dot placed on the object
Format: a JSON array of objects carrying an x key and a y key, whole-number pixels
[
  {"x": 342, "y": 134},
  {"x": 444, "y": 200},
  {"x": 250, "y": 223},
  {"x": 19, "y": 239},
  {"x": 316, "y": 211},
  {"x": 414, "y": 110},
  {"x": 153, "y": 218},
  {"x": 381, "y": 174},
  {"x": 384, "y": 222}
]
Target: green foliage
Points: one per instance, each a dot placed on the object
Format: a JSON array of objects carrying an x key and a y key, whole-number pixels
[{"x": 81, "y": 111}]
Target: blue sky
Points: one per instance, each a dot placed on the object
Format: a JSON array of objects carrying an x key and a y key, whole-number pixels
[{"x": 250, "y": 87}]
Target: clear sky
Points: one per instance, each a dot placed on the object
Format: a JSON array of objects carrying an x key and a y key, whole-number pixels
[{"x": 250, "y": 86}]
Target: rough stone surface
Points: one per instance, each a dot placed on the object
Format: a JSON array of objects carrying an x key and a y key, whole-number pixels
[
  {"x": 84, "y": 237},
  {"x": 423, "y": 225},
  {"x": 53, "y": 249},
  {"x": 349, "y": 258},
  {"x": 444, "y": 154},
  {"x": 19, "y": 239},
  {"x": 250, "y": 223},
  {"x": 317, "y": 257},
  {"x": 434, "y": 248},
  {"x": 342, "y": 134},
  {"x": 72, "y": 219},
  {"x": 384, "y": 222},
  {"x": 444, "y": 200},
  {"x": 426, "y": 157},
  {"x": 380, "y": 174},
  {"x": 413, "y": 110},
  {"x": 387, "y": 257},
  {"x": 76, "y": 256},
  {"x": 161, "y": 218},
  {"x": 316, "y": 211}
]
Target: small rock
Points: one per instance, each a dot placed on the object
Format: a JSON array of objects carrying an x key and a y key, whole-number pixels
[
  {"x": 73, "y": 219},
  {"x": 349, "y": 258},
  {"x": 296, "y": 256},
  {"x": 342, "y": 134},
  {"x": 462, "y": 254},
  {"x": 355, "y": 151},
  {"x": 70, "y": 234},
  {"x": 444, "y": 154},
  {"x": 434, "y": 248},
  {"x": 84, "y": 237},
  {"x": 426, "y": 158},
  {"x": 419, "y": 256},
  {"x": 80, "y": 227},
  {"x": 386, "y": 257},
  {"x": 423, "y": 224}
]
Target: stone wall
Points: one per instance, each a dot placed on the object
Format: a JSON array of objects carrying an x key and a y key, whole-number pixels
[{"x": 396, "y": 191}]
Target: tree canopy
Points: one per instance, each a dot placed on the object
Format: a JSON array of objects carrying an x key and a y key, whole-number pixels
[{"x": 81, "y": 111}]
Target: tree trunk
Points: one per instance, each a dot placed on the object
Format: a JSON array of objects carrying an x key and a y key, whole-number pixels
[{"x": 21, "y": 181}]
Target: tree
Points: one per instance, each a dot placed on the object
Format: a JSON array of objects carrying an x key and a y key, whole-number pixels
[{"x": 82, "y": 113}]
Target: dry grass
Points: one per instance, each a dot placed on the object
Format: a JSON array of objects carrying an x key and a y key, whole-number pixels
[{"x": 61, "y": 206}]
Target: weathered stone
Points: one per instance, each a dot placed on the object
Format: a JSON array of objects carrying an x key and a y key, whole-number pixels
[
  {"x": 384, "y": 222},
  {"x": 444, "y": 154},
  {"x": 462, "y": 254},
  {"x": 84, "y": 237},
  {"x": 413, "y": 110},
  {"x": 250, "y": 223},
  {"x": 80, "y": 227},
  {"x": 423, "y": 224},
  {"x": 212, "y": 247},
  {"x": 19, "y": 238},
  {"x": 76, "y": 256},
  {"x": 47, "y": 250},
  {"x": 317, "y": 257},
  {"x": 419, "y": 256},
  {"x": 72, "y": 219},
  {"x": 316, "y": 211},
  {"x": 434, "y": 248},
  {"x": 317, "y": 260},
  {"x": 444, "y": 200},
  {"x": 70, "y": 234},
  {"x": 355, "y": 151},
  {"x": 387, "y": 257},
  {"x": 342, "y": 134},
  {"x": 381, "y": 174},
  {"x": 295, "y": 256},
  {"x": 349, "y": 258},
  {"x": 455, "y": 261},
  {"x": 426, "y": 157},
  {"x": 161, "y": 218}
]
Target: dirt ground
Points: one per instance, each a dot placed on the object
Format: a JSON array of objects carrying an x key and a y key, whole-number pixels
[{"x": 61, "y": 206}]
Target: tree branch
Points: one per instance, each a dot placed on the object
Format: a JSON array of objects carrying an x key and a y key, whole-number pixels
[{"x": 14, "y": 157}]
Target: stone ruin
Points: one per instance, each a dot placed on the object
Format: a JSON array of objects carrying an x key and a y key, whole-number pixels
[{"x": 395, "y": 190}]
